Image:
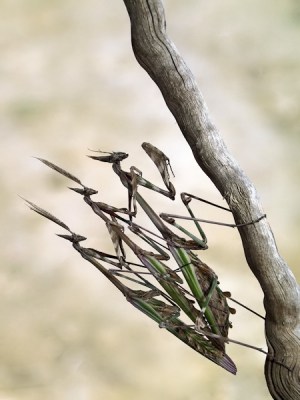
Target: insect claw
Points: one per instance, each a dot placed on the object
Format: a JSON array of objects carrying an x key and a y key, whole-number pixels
[{"x": 251, "y": 222}]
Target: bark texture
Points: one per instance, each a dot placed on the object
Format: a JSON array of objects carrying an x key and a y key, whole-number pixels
[{"x": 159, "y": 57}]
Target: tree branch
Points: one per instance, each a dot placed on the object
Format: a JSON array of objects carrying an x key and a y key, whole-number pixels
[{"x": 160, "y": 58}]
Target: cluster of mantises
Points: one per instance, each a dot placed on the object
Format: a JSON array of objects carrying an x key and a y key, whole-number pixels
[{"x": 205, "y": 304}]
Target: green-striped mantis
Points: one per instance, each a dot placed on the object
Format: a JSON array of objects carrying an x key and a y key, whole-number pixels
[{"x": 210, "y": 317}]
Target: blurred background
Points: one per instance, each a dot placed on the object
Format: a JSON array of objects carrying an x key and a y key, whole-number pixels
[{"x": 68, "y": 83}]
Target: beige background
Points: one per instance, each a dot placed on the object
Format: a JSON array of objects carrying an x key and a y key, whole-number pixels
[{"x": 69, "y": 82}]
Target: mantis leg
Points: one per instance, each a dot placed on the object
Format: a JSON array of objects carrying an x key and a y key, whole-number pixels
[{"x": 186, "y": 199}]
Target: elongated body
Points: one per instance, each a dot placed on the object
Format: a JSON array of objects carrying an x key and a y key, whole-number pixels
[{"x": 204, "y": 303}]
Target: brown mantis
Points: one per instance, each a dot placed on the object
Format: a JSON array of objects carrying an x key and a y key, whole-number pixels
[{"x": 204, "y": 303}]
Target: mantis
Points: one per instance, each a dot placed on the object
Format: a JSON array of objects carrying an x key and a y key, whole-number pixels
[{"x": 204, "y": 303}]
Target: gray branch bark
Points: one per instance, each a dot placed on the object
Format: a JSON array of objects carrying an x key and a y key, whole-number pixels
[{"x": 159, "y": 57}]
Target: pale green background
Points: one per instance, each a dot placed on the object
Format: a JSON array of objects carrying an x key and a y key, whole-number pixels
[{"x": 69, "y": 82}]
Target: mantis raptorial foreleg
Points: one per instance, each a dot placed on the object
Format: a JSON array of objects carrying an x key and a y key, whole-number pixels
[{"x": 162, "y": 163}]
